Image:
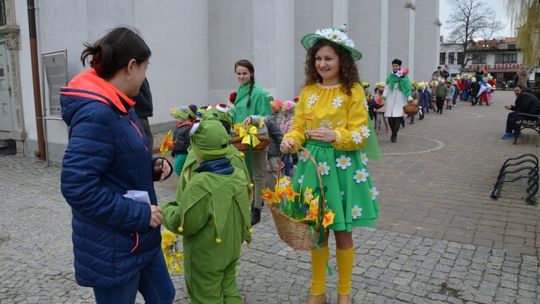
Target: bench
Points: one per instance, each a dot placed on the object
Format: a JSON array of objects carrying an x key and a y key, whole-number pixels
[
  {"x": 526, "y": 121},
  {"x": 515, "y": 168}
]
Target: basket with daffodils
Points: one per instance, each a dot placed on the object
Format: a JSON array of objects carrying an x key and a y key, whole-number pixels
[{"x": 301, "y": 218}]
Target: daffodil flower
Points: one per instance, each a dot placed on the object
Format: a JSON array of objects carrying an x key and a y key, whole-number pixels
[
  {"x": 328, "y": 218},
  {"x": 269, "y": 196}
]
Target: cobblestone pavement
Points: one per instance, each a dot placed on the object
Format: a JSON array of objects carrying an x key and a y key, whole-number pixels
[{"x": 440, "y": 239}]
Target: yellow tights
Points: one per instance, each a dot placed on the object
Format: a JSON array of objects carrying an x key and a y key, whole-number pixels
[{"x": 345, "y": 261}]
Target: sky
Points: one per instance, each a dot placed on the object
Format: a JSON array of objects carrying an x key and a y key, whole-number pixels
[{"x": 496, "y": 5}]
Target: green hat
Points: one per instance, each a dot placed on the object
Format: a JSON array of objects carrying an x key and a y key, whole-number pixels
[
  {"x": 209, "y": 139},
  {"x": 223, "y": 116},
  {"x": 336, "y": 35},
  {"x": 183, "y": 112}
]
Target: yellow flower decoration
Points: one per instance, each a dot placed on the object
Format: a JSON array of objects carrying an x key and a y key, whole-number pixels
[
  {"x": 328, "y": 218},
  {"x": 269, "y": 196},
  {"x": 290, "y": 194},
  {"x": 249, "y": 136},
  {"x": 308, "y": 195}
]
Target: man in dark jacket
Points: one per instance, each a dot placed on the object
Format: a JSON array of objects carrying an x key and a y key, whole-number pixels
[
  {"x": 526, "y": 102},
  {"x": 145, "y": 109}
]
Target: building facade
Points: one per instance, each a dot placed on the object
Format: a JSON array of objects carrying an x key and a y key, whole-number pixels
[
  {"x": 500, "y": 57},
  {"x": 195, "y": 44}
]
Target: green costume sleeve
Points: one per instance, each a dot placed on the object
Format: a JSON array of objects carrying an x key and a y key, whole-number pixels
[{"x": 171, "y": 216}]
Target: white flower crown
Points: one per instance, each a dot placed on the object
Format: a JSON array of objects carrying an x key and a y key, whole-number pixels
[{"x": 336, "y": 35}]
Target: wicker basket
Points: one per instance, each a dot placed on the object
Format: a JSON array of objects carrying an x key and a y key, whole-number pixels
[
  {"x": 411, "y": 109},
  {"x": 263, "y": 143},
  {"x": 295, "y": 233}
]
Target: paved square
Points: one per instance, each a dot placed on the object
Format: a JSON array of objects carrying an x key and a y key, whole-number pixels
[{"x": 440, "y": 238}]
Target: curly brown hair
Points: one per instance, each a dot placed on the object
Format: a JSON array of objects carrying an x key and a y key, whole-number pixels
[{"x": 348, "y": 72}]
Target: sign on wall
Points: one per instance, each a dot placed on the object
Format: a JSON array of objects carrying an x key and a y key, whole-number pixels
[{"x": 55, "y": 69}]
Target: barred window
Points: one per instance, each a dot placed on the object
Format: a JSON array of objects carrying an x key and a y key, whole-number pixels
[
  {"x": 479, "y": 58},
  {"x": 451, "y": 58},
  {"x": 506, "y": 58},
  {"x": 3, "y": 21},
  {"x": 442, "y": 58},
  {"x": 460, "y": 57}
]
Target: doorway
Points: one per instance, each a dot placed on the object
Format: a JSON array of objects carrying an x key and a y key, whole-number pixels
[{"x": 6, "y": 103}]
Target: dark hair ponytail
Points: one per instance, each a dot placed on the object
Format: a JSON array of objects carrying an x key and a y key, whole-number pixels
[
  {"x": 248, "y": 65},
  {"x": 113, "y": 51}
]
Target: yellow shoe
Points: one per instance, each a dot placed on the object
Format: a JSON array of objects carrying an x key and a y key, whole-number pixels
[
  {"x": 320, "y": 299},
  {"x": 344, "y": 299}
]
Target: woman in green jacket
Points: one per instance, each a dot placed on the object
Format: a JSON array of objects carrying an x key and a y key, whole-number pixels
[{"x": 252, "y": 100}]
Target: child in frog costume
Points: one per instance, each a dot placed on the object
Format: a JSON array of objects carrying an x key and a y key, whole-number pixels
[
  {"x": 221, "y": 113},
  {"x": 213, "y": 216}
]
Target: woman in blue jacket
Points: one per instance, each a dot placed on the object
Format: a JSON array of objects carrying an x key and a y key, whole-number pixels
[{"x": 116, "y": 240}]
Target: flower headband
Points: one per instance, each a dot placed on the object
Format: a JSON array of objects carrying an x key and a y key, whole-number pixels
[{"x": 336, "y": 35}]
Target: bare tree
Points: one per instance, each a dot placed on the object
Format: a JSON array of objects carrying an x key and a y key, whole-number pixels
[{"x": 470, "y": 20}]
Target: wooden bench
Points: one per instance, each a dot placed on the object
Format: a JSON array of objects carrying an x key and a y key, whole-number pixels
[{"x": 526, "y": 121}]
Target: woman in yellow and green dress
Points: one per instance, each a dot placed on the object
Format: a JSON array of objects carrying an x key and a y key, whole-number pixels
[{"x": 332, "y": 123}]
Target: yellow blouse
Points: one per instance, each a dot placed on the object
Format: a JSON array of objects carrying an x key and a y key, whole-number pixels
[{"x": 330, "y": 107}]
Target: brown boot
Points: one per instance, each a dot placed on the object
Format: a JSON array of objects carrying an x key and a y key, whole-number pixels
[
  {"x": 320, "y": 299},
  {"x": 344, "y": 299}
]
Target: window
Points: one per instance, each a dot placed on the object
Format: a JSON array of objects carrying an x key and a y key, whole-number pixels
[
  {"x": 451, "y": 58},
  {"x": 442, "y": 58},
  {"x": 478, "y": 58},
  {"x": 512, "y": 46},
  {"x": 3, "y": 20},
  {"x": 460, "y": 58},
  {"x": 506, "y": 58}
]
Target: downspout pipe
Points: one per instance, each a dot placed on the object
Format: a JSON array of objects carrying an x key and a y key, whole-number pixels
[{"x": 40, "y": 152}]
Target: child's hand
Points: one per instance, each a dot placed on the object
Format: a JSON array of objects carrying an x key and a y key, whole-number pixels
[
  {"x": 287, "y": 145},
  {"x": 156, "y": 217},
  {"x": 247, "y": 121}
]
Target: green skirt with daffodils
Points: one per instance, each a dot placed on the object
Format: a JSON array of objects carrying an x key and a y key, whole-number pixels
[{"x": 348, "y": 188}]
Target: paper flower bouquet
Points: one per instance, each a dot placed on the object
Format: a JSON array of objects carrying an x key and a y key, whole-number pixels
[{"x": 173, "y": 256}]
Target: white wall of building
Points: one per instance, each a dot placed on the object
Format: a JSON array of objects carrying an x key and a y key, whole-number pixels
[
  {"x": 367, "y": 34},
  {"x": 426, "y": 39},
  {"x": 196, "y": 43}
]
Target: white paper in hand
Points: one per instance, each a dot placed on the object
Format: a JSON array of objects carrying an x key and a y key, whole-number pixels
[{"x": 138, "y": 196}]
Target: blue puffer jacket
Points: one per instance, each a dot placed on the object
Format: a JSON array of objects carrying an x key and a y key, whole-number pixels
[{"x": 107, "y": 154}]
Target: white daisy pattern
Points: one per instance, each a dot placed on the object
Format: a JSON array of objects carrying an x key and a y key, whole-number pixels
[
  {"x": 312, "y": 99},
  {"x": 374, "y": 193},
  {"x": 303, "y": 155},
  {"x": 364, "y": 130},
  {"x": 324, "y": 169},
  {"x": 363, "y": 158},
  {"x": 366, "y": 105},
  {"x": 343, "y": 162},
  {"x": 326, "y": 123},
  {"x": 357, "y": 137},
  {"x": 356, "y": 212},
  {"x": 337, "y": 102},
  {"x": 301, "y": 180},
  {"x": 360, "y": 176}
]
